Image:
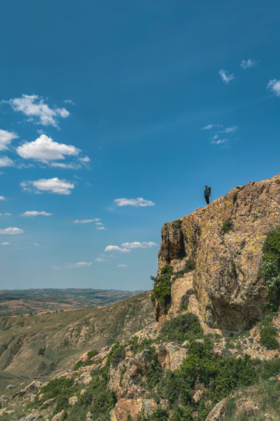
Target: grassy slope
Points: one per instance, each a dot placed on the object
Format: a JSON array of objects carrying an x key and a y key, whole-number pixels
[{"x": 64, "y": 336}]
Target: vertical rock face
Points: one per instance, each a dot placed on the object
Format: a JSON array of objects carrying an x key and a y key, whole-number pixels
[{"x": 225, "y": 240}]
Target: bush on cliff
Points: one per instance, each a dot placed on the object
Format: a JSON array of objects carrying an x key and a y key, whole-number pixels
[
  {"x": 270, "y": 269},
  {"x": 162, "y": 287},
  {"x": 182, "y": 328}
]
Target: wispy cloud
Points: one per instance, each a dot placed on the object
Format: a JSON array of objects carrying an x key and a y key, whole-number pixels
[
  {"x": 219, "y": 142},
  {"x": 122, "y": 266},
  {"x": 44, "y": 149},
  {"x": 99, "y": 259},
  {"x": 3, "y": 198},
  {"x": 101, "y": 228},
  {"x": 139, "y": 202},
  {"x": 229, "y": 129},
  {"x": 6, "y": 138},
  {"x": 52, "y": 185},
  {"x": 35, "y": 244},
  {"x": 136, "y": 245},
  {"x": 211, "y": 126},
  {"x": 32, "y": 214},
  {"x": 5, "y": 244},
  {"x": 11, "y": 231},
  {"x": 78, "y": 265},
  {"x": 226, "y": 77},
  {"x": 38, "y": 112},
  {"x": 246, "y": 64},
  {"x": 69, "y": 101},
  {"x": 6, "y": 162},
  {"x": 85, "y": 221},
  {"x": 274, "y": 86},
  {"x": 116, "y": 248}
]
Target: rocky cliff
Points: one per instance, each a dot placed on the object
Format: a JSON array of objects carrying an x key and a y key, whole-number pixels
[
  {"x": 224, "y": 240},
  {"x": 192, "y": 363}
]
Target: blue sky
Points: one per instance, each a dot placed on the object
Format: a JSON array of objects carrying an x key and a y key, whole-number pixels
[{"x": 114, "y": 116}]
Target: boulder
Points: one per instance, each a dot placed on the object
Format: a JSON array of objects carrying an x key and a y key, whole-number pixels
[
  {"x": 58, "y": 417},
  {"x": 73, "y": 400},
  {"x": 217, "y": 411}
]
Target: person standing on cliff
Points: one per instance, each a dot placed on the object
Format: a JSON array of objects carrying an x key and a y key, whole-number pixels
[{"x": 207, "y": 194}]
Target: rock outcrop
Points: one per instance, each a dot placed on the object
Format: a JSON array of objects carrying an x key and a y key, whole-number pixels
[{"x": 225, "y": 241}]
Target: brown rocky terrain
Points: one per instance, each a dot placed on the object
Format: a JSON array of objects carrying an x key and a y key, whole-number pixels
[
  {"x": 225, "y": 241},
  {"x": 212, "y": 352}
]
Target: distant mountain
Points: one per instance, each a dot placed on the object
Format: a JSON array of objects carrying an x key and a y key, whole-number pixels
[{"x": 20, "y": 302}]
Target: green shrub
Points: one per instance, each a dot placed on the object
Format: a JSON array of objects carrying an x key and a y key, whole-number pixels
[
  {"x": 270, "y": 269},
  {"x": 267, "y": 337},
  {"x": 234, "y": 199},
  {"x": 41, "y": 351},
  {"x": 162, "y": 287},
  {"x": 91, "y": 354},
  {"x": 178, "y": 223},
  {"x": 116, "y": 355},
  {"x": 227, "y": 226},
  {"x": 267, "y": 369},
  {"x": 189, "y": 266},
  {"x": 218, "y": 374},
  {"x": 271, "y": 246},
  {"x": 182, "y": 328}
]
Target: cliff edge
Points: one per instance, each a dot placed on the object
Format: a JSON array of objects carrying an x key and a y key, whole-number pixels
[{"x": 223, "y": 241}]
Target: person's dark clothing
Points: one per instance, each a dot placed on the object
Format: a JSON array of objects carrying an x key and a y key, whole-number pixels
[
  {"x": 207, "y": 195},
  {"x": 207, "y": 192}
]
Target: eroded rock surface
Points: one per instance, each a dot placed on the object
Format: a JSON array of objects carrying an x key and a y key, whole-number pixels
[{"x": 226, "y": 282}]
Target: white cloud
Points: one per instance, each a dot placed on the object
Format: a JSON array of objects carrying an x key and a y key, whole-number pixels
[
  {"x": 6, "y": 138},
  {"x": 11, "y": 231},
  {"x": 246, "y": 64},
  {"x": 35, "y": 213},
  {"x": 79, "y": 265},
  {"x": 274, "y": 86},
  {"x": 5, "y": 244},
  {"x": 70, "y": 166},
  {"x": 84, "y": 159},
  {"x": 69, "y": 101},
  {"x": 116, "y": 248},
  {"x": 211, "y": 126},
  {"x": 6, "y": 162},
  {"x": 8, "y": 214},
  {"x": 134, "y": 202},
  {"x": 98, "y": 223},
  {"x": 112, "y": 255},
  {"x": 226, "y": 77},
  {"x": 44, "y": 149},
  {"x": 85, "y": 221},
  {"x": 32, "y": 106},
  {"x": 215, "y": 137},
  {"x": 219, "y": 142},
  {"x": 229, "y": 129},
  {"x": 139, "y": 245},
  {"x": 35, "y": 244},
  {"x": 52, "y": 185},
  {"x": 3, "y": 198},
  {"x": 122, "y": 266},
  {"x": 101, "y": 228},
  {"x": 98, "y": 259}
]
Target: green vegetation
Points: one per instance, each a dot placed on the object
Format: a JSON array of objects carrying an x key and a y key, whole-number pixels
[
  {"x": 234, "y": 199},
  {"x": 117, "y": 354},
  {"x": 178, "y": 223},
  {"x": 162, "y": 287},
  {"x": 87, "y": 362},
  {"x": 227, "y": 226},
  {"x": 182, "y": 328},
  {"x": 270, "y": 269},
  {"x": 189, "y": 267},
  {"x": 41, "y": 351},
  {"x": 267, "y": 337}
]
